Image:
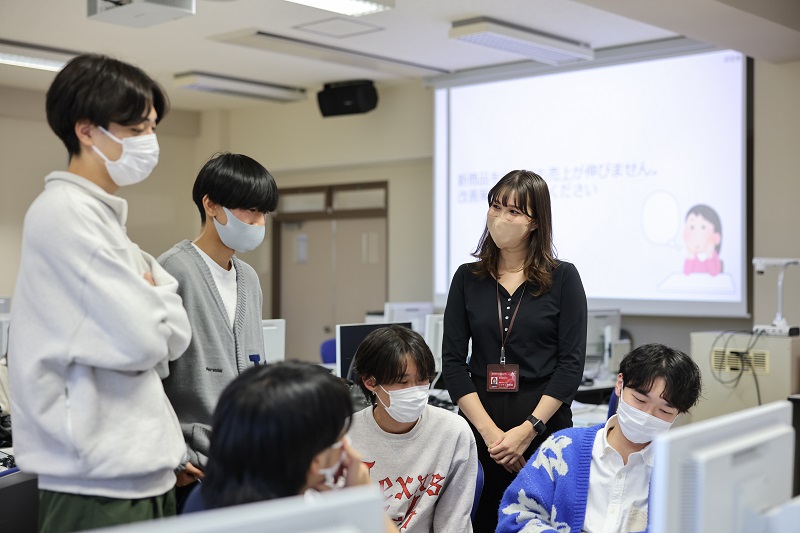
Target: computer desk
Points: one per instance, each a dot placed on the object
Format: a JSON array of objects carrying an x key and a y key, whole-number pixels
[
  {"x": 19, "y": 502},
  {"x": 5, "y": 452},
  {"x": 598, "y": 392}
]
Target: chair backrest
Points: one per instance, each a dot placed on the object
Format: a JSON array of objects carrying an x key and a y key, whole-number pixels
[
  {"x": 194, "y": 502},
  {"x": 612, "y": 403},
  {"x": 327, "y": 351},
  {"x": 478, "y": 490}
]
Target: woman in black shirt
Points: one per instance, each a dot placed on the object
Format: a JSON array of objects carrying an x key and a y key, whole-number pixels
[{"x": 525, "y": 312}]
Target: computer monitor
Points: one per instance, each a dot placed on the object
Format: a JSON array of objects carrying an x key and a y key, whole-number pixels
[
  {"x": 434, "y": 330},
  {"x": 600, "y": 325},
  {"x": 5, "y": 321},
  {"x": 348, "y": 337},
  {"x": 19, "y": 501},
  {"x": 717, "y": 474},
  {"x": 351, "y": 510},
  {"x": 415, "y": 312},
  {"x": 274, "y": 332}
]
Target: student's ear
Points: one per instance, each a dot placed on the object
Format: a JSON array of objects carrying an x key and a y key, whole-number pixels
[
  {"x": 369, "y": 383},
  {"x": 716, "y": 237},
  {"x": 210, "y": 207},
  {"x": 83, "y": 131},
  {"x": 618, "y": 386}
]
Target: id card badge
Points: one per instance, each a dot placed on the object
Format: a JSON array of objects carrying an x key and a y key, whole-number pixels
[{"x": 502, "y": 378}]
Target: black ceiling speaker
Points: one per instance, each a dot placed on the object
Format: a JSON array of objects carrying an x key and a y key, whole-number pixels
[{"x": 347, "y": 98}]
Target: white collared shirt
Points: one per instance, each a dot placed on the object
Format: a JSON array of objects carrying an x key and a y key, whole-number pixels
[
  {"x": 617, "y": 500},
  {"x": 225, "y": 281}
]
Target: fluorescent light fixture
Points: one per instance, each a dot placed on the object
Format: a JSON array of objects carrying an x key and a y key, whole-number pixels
[
  {"x": 532, "y": 44},
  {"x": 261, "y": 40},
  {"x": 214, "y": 83},
  {"x": 351, "y": 8},
  {"x": 34, "y": 56}
]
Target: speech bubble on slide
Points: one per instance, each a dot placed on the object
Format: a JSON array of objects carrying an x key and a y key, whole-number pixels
[{"x": 660, "y": 218}]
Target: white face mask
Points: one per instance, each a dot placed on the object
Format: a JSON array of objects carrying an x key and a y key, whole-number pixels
[
  {"x": 640, "y": 427},
  {"x": 139, "y": 158},
  {"x": 331, "y": 471},
  {"x": 506, "y": 234},
  {"x": 239, "y": 236},
  {"x": 406, "y": 405}
]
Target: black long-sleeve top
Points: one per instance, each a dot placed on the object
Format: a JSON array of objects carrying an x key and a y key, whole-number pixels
[{"x": 547, "y": 340}]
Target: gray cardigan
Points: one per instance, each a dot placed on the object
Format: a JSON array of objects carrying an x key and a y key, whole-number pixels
[{"x": 216, "y": 354}]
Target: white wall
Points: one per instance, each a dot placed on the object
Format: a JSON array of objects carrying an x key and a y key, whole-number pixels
[
  {"x": 776, "y": 227},
  {"x": 295, "y": 136},
  {"x": 28, "y": 151}
]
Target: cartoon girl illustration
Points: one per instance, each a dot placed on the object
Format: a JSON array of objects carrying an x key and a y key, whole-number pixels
[{"x": 702, "y": 235}]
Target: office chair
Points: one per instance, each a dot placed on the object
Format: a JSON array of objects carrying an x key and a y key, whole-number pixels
[
  {"x": 327, "y": 351},
  {"x": 478, "y": 490},
  {"x": 612, "y": 403},
  {"x": 194, "y": 502}
]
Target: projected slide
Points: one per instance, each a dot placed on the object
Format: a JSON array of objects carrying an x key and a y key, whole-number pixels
[{"x": 646, "y": 168}]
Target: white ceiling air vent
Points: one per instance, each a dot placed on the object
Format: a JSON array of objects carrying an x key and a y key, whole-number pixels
[{"x": 139, "y": 13}]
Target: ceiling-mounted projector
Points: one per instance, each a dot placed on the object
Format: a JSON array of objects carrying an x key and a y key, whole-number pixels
[{"x": 139, "y": 13}]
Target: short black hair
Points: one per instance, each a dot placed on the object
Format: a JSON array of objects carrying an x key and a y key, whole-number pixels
[
  {"x": 235, "y": 181},
  {"x": 681, "y": 375},
  {"x": 270, "y": 423},
  {"x": 101, "y": 90},
  {"x": 382, "y": 355}
]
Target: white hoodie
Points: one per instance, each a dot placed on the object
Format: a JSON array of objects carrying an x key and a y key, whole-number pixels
[{"x": 87, "y": 330}]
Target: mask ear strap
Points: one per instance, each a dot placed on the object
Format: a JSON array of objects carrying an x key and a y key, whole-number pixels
[
  {"x": 375, "y": 392},
  {"x": 110, "y": 135},
  {"x": 101, "y": 154}
]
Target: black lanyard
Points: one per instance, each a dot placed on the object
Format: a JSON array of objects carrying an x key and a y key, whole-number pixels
[{"x": 504, "y": 338}]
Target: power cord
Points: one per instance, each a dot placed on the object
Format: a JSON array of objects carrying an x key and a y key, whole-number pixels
[
  {"x": 747, "y": 358},
  {"x": 744, "y": 358}
]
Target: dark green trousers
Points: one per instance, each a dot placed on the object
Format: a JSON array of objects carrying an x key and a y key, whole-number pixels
[{"x": 60, "y": 512}]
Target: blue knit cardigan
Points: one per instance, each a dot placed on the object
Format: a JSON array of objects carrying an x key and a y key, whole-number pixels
[{"x": 550, "y": 493}]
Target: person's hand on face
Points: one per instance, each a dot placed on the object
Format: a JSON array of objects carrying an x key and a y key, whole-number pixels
[
  {"x": 348, "y": 466},
  {"x": 355, "y": 471}
]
